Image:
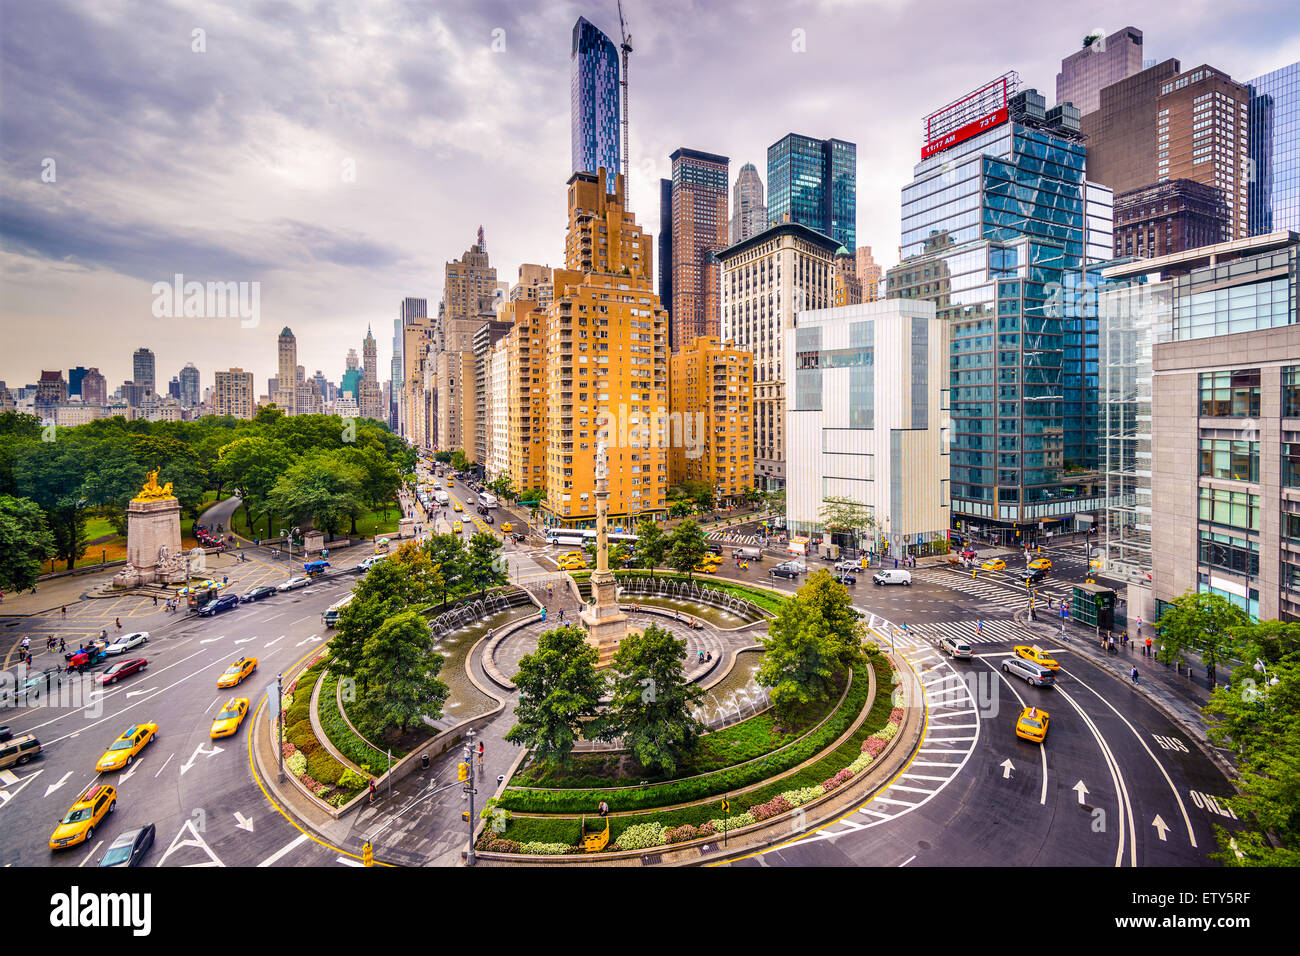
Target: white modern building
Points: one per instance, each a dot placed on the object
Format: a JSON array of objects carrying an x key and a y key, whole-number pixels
[
  {"x": 498, "y": 411},
  {"x": 868, "y": 421}
]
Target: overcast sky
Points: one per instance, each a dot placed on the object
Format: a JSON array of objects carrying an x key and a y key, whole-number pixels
[{"x": 233, "y": 164}]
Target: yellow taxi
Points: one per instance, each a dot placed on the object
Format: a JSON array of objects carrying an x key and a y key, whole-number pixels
[
  {"x": 86, "y": 812},
  {"x": 507, "y": 528},
  {"x": 457, "y": 527},
  {"x": 711, "y": 558},
  {"x": 994, "y": 564},
  {"x": 231, "y": 716},
  {"x": 450, "y": 483},
  {"x": 126, "y": 748},
  {"x": 579, "y": 555},
  {"x": 706, "y": 567},
  {"x": 457, "y": 507},
  {"x": 573, "y": 564},
  {"x": 1032, "y": 724},
  {"x": 237, "y": 671},
  {"x": 1037, "y": 655},
  {"x": 1040, "y": 564}
]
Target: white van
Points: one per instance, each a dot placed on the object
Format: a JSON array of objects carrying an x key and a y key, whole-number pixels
[
  {"x": 892, "y": 576},
  {"x": 441, "y": 497}
]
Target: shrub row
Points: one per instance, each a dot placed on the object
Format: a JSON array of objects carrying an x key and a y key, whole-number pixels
[
  {"x": 683, "y": 791},
  {"x": 355, "y": 748}
]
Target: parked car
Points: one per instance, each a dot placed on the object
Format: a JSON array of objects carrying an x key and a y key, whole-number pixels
[
  {"x": 127, "y": 642},
  {"x": 892, "y": 576},
  {"x": 120, "y": 669},
  {"x": 257, "y": 593},
  {"x": 130, "y": 847},
  {"x": 221, "y": 603}
]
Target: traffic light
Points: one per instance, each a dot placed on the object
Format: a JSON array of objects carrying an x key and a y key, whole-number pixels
[{"x": 462, "y": 771}]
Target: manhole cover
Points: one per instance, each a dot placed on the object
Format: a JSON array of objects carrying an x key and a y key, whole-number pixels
[{"x": 923, "y": 844}]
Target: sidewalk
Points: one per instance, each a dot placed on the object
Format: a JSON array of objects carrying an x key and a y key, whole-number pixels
[{"x": 1179, "y": 697}]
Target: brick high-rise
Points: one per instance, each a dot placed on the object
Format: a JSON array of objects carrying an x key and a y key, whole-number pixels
[
  {"x": 699, "y": 228},
  {"x": 1102, "y": 61}
]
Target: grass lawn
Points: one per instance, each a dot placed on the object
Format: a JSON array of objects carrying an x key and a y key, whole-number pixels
[{"x": 368, "y": 525}]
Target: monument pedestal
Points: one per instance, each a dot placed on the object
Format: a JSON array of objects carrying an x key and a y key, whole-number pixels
[
  {"x": 606, "y": 624},
  {"x": 313, "y": 543},
  {"x": 153, "y": 544}
]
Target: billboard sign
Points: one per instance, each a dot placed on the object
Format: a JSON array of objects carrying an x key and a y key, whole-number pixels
[{"x": 969, "y": 116}]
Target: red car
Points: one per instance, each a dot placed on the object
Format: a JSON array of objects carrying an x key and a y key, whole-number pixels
[{"x": 123, "y": 669}]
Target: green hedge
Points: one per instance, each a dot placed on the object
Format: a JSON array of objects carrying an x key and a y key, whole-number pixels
[
  {"x": 767, "y": 600},
  {"x": 682, "y": 791},
  {"x": 352, "y": 746},
  {"x": 323, "y": 768}
]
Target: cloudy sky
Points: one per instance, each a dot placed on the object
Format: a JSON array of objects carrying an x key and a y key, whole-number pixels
[{"x": 338, "y": 153}]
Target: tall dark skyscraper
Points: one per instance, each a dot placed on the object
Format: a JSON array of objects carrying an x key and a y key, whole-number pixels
[
  {"x": 594, "y": 111},
  {"x": 1102, "y": 61},
  {"x": 699, "y": 224},
  {"x": 666, "y": 250},
  {"x": 189, "y": 379},
  {"x": 814, "y": 182},
  {"x": 75, "y": 375},
  {"x": 142, "y": 367}
]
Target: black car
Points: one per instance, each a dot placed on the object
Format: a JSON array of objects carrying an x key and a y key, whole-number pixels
[
  {"x": 714, "y": 546},
  {"x": 219, "y": 604},
  {"x": 1033, "y": 577},
  {"x": 487, "y": 516},
  {"x": 129, "y": 848},
  {"x": 257, "y": 593},
  {"x": 781, "y": 571},
  {"x": 844, "y": 578}
]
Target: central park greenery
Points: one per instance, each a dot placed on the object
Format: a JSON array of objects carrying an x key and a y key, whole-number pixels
[{"x": 317, "y": 470}]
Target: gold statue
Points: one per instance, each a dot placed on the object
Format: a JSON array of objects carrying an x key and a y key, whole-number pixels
[{"x": 152, "y": 492}]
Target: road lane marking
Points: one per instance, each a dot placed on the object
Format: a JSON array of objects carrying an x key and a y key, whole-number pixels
[
  {"x": 1117, "y": 777},
  {"x": 908, "y": 860},
  {"x": 287, "y": 848},
  {"x": 274, "y": 616},
  {"x": 165, "y": 763},
  {"x": 93, "y": 850}
]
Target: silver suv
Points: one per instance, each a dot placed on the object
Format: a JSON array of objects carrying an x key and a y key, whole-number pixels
[
  {"x": 852, "y": 565},
  {"x": 955, "y": 646},
  {"x": 1034, "y": 674}
]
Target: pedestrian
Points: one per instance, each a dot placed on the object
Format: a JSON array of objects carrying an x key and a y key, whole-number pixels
[
  {"x": 63, "y": 645},
  {"x": 895, "y": 563},
  {"x": 603, "y": 808},
  {"x": 63, "y": 612},
  {"x": 119, "y": 625},
  {"x": 1134, "y": 674},
  {"x": 480, "y": 754},
  {"x": 1123, "y": 639},
  {"x": 1148, "y": 647},
  {"x": 27, "y": 642},
  {"x": 29, "y": 659},
  {"x": 372, "y": 789},
  {"x": 561, "y": 614},
  {"x": 155, "y": 600}
]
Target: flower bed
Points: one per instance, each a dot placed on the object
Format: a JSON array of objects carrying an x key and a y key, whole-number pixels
[
  {"x": 816, "y": 780},
  {"x": 684, "y": 791},
  {"x": 313, "y": 766}
]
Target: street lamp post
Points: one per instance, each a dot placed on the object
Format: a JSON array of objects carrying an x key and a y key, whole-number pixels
[
  {"x": 279, "y": 744},
  {"x": 288, "y": 536},
  {"x": 468, "y": 754}
]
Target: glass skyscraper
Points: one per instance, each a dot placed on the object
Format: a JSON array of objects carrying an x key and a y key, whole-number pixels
[
  {"x": 814, "y": 181},
  {"x": 996, "y": 231},
  {"x": 594, "y": 112},
  {"x": 1273, "y": 190}
]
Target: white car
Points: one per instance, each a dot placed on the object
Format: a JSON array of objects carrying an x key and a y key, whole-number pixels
[
  {"x": 294, "y": 583},
  {"x": 851, "y": 565},
  {"x": 365, "y": 564},
  {"x": 127, "y": 641}
]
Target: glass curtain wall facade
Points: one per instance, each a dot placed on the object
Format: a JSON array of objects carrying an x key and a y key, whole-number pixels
[
  {"x": 994, "y": 233},
  {"x": 594, "y": 106},
  {"x": 1274, "y": 188},
  {"x": 814, "y": 181}
]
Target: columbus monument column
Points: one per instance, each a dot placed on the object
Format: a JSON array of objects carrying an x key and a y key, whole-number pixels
[{"x": 606, "y": 624}]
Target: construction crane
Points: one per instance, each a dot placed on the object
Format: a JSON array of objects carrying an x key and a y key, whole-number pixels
[{"x": 625, "y": 48}]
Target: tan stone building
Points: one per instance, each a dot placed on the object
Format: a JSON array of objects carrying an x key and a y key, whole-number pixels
[
  {"x": 286, "y": 391},
  {"x": 606, "y": 371},
  {"x": 848, "y": 288},
  {"x": 536, "y": 284},
  {"x": 233, "y": 394},
  {"x": 766, "y": 281},
  {"x": 869, "y": 274},
  {"x": 711, "y": 386}
]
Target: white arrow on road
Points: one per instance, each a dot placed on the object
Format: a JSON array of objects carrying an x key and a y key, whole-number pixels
[
  {"x": 276, "y": 641},
  {"x": 7, "y": 795},
  {"x": 62, "y": 780},
  {"x": 1081, "y": 790},
  {"x": 245, "y": 640},
  {"x": 1161, "y": 827},
  {"x": 195, "y": 756},
  {"x": 127, "y": 776},
  {"x": 209, "y": 640},
  {"x": 1007, "y": 766},
  {"x": 313, "y": 639},
  {"x": 137, "y": 693},
  {"x": 242, "y": 822}
]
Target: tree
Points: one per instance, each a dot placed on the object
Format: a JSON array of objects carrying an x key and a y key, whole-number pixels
[
  {"x": 559, "y": 690},
  {"x": 380, "y": 477},
  {"x": 651, "y": 544},
  {"x": 458, "y": 461},
  {"x": 652, "y": 701},
  {"x": 701, "y": 492},
  {"x": 482, "y": 565},
  {"x": 253, "y": 465},
  {"x": 1258, "y": 717},
  {"x": 52, "y": 474},
  {"x": 1205, "y": 623},
  {"x": 446, "y": 553},
  {"x": 816, "y": 636},
  {"x": 686, "y": 547},
  {"x": 751, "y": 495},
  {"x": 406, "y": 580},
  {"x": 442, "y": 456},
  {"x": 322, "y": 490},
  {"x": 846, "y": 516},
  {"x": 400, "y": 671},
  {"x": 25, "y": 543},
  {"x": 503, "y": 487}
]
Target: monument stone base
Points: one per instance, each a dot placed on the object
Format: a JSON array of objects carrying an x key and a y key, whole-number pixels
[
  {"x": 313, "y": 542},
  {"x": 606, "y": 624},
  {"x": 153, "y": 544}
]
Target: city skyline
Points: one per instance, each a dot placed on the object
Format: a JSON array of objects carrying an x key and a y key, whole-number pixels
[{"x": 320, "y": 186}]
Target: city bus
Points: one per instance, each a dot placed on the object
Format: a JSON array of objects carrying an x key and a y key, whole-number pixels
[{"x": 577, "y": 537}]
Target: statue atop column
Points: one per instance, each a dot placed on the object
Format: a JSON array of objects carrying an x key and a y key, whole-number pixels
[{"x": 602, "y": 460}]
